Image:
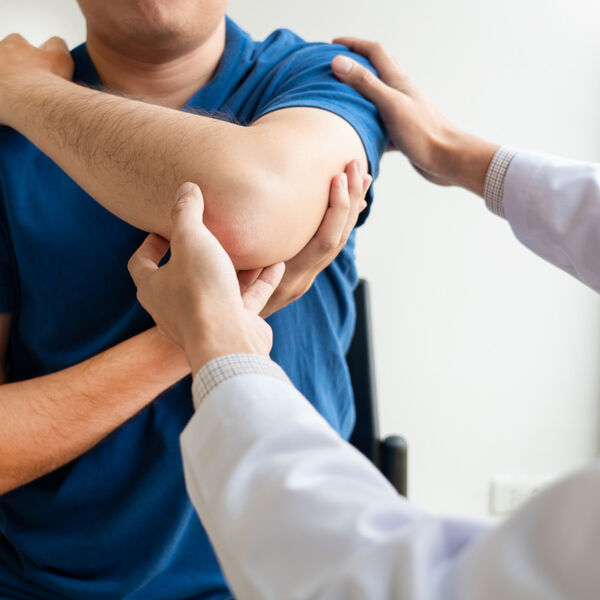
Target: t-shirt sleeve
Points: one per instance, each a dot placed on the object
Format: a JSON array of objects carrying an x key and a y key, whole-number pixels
[
  {"x": 304, "y": 78},
  {"x": 7, "y": 285}
]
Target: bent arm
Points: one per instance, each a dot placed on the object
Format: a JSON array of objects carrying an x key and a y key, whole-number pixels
[
  {"x": 48, "y": 421},
  {"x": 266, "y": 185},
  {"x": 293, "y": 511}
]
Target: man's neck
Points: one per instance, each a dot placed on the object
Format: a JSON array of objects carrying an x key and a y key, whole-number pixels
[{"x": 171, "y": 82}]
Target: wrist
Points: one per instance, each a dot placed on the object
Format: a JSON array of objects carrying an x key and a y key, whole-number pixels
[
  {"x": 463, "y": 159},
  {"x": 19, "y": 93},
  {"x": 209, "y": 338},
  {"x": 9, "y": 94}
]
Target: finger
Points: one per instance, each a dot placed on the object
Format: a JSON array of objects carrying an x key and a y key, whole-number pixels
[
  {"x": 324, "y": 245},
  {"x": 16, "y": 38},
  {"x": 367, "y": 181},
  {"x": 327, "y": 239},
  {"x": 247, "y": 278},
  {"x": 187, "y": 213},
  {"x": 188, "y": 209},
  {"x": 356, "y": 195},
  {"x": 362, "y": 80},
  {"x": 257, "y": 295},
  {"x": 146, "y": 258},
  {"x": 386, "y": 66},
  {"x": 55, "y": 44}
]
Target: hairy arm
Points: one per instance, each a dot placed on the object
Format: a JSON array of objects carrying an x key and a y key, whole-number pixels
[
  {"x": 48, "y": 421},
  {"x": 266, "y": 185}
]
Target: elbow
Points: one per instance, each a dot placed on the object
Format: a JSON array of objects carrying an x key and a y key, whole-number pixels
[{"x": 246, "y": 215}]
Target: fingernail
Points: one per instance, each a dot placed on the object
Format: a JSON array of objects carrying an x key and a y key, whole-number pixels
[
  {"x": 362, "y": 206},
  {"x": 341, "y": 65},
  {"x": 343, "y": 181},
  {"x": 184, "y": 189}
]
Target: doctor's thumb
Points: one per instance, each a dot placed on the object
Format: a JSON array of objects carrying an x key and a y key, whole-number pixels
[
  {"x": 360, "y": 78},
  {"x": 188, "y": 209}
]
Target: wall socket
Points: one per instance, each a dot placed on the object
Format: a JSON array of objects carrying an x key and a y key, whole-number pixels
[{"x": 507, "y": 492}]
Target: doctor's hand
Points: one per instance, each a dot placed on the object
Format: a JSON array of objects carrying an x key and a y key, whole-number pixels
[
  {"x": 195, "y": 298},
  {"x": 24, "y": 64},
  {"x": 438, "y": 150},
  {"x": 346, "y": 201}
]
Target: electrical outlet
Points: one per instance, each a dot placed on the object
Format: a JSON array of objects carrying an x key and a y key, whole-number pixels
[{"x": 507, "y": 492}]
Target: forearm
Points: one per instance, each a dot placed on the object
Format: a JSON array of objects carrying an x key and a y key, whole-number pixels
[
  {"x": 130, "y": 156},
  {"x": 48, "y": 421}
]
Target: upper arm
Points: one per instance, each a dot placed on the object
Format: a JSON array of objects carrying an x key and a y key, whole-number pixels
[
  {"x": 304, "y": 133},
  {"x": 300, "y": 151},
  {"x": 5, "y": 319}
]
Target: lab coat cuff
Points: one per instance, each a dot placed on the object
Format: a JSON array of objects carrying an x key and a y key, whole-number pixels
[
  {"x": 220, "y": 369},
  {"x": 494, "y": 181}
]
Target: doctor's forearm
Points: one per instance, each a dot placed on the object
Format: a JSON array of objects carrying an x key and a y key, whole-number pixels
[
  {"x": 295, "y": 512},
  {"x": 292, "y": 510}
]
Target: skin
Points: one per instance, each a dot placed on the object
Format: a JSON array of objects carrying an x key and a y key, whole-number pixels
[
  {"x": 438, "y": 150},
  {"x": 155, "y": 50},
  {"x": 132, "y": 171},
  {"x": 196, "y": 298}
]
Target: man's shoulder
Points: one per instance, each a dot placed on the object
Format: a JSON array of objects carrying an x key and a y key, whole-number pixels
[
  {"x": 287, "y": 47},
  {"x": 283, "y": 46}
]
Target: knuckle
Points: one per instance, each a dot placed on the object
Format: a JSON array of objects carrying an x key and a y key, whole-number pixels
[
  {"x": 343, "y": 201},
  {"x": 379, "y": 48},
  {"x": 366, "y": 77},
  {"x": 297, "y": 293},
  {"x": 327, "y": 245},
  {"x": 179, "y": 205},
  {"x": 140, "y": 295}
]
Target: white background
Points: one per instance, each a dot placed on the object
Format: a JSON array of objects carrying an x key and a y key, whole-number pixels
[{"x": 487, "y": 359}]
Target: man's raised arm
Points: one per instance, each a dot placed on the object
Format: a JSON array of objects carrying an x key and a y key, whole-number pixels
[{"x": 256, "y": 179}]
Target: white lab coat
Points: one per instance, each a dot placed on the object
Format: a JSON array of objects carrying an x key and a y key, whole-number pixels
[
  {"x": 553, "y": 207},
  {"x": 295, "y": 512}
]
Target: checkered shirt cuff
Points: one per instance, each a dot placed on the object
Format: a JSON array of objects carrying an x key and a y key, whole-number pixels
[
  {"x": 223, "y": 368},
  {"x": 494, "y": 180}
]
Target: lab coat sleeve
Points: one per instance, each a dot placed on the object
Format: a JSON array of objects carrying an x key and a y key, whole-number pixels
[
  {"x": 293, "y": 511},
  {"x": 553, "y": 207}
]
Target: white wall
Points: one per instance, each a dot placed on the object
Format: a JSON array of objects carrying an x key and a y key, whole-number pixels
[{"x": 487, "y": 358}]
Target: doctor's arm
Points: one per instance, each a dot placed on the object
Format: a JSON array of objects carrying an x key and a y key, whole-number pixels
[
  {"x": 291, "y": 509},
  {"x": 130, "y": 156},
  {"x": 552, "y": 204}
]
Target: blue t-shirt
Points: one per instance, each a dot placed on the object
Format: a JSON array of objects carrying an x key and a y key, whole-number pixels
[{"x": 116, "y": 522}]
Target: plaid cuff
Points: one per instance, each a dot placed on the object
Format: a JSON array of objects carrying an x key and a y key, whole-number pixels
[
  {"x": 223, "y": 368},
  {"x": 494, "y": 181}
]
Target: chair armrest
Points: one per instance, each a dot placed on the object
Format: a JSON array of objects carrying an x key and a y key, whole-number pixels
[{"x": 393, "y": 463}]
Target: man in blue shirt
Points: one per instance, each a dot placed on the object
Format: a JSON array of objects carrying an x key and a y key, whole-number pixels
[{"x": 93, "y": 503}]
